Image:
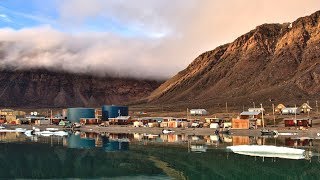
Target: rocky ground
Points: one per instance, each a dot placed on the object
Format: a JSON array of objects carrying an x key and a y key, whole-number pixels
[{"x": 310, "y": 132}]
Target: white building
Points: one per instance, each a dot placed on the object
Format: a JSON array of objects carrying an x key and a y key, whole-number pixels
[
  {"x": 256, "y": 110},
  {"x": 291, "y": 110},
  {"x": 198, "y": 112}
]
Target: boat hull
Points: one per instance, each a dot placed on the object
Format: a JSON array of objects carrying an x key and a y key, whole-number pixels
[{"x": 268, "y": 151}]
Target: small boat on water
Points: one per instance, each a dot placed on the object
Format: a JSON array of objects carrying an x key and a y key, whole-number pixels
[
  {"x": 268, "y": 151},
  {"x": 222, "y": 131},
  {"x": 20, "y": 130},
  {"x": 167, "y": 131},
  {"x": 267, "y": 132},
  {"x": 50, "y": 133},
  {"x": 52, "y": 129},
  {"x": 13, "y": 130},
  {"x": 47, "y": 132}
]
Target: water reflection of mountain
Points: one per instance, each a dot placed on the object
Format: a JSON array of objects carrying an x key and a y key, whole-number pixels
[
  {"x": 218, "y": 164},
  {"x": 43, "y": 161}
]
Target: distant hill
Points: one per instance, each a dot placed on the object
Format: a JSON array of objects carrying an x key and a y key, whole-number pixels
[
  {"x": 42, "y": 88},
  {"x": 273, "y": 62}
]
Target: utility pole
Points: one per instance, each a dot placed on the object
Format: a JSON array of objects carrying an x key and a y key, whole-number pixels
[
  {"x": 274, "y": 118},
  {"x": 317, "y": 107},
  {"x": 50, "y": 116},
  {"x": 227, "y": 107},
  {"x": 187, "y": 113},
  {"x": 295, "y": 112},
  {"x": 262, "y": 116},
  {"x": 254, "y": 106}
]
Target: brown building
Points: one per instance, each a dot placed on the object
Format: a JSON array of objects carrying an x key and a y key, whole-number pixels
[
  {"x": 279, "y": 108},
  {"x": 240, "y": 124}
]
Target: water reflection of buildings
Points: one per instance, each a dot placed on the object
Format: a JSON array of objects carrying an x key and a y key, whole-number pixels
[
  {"x": 108, "y": 142},
  {"x": 20, "y": 137},
  {"x": 12, "y": 137}
]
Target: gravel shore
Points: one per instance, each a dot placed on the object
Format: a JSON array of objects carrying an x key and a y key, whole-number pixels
[{"x": 310, "y": 132}]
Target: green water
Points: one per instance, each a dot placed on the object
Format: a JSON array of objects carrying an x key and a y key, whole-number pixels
[{"x": 106, "y": 158}]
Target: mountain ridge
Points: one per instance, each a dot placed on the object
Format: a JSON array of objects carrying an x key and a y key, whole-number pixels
[
  {"x": 272, "y": 61},
  {"x": 41, "y": 88}
]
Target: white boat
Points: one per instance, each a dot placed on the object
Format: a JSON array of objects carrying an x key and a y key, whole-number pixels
[
  {"x": 45, "y": 133},
  {"x": 288, "y": 134},
  {"x": 29, "y": 133},
  {"x": 21, "y": 130},
  {"x": 13, "y": 130},
  {"x": 52, "y": 129},
  {"x": 268, "y": 151},
  {"x": 167, "y": 131},
  {"x": 60, "y": 133}
]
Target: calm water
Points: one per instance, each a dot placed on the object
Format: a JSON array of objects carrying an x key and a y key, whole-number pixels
[{"x": 138, "y": 156}]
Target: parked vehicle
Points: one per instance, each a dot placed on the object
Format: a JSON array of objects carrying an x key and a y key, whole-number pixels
[{"x": 104, "y": 124}]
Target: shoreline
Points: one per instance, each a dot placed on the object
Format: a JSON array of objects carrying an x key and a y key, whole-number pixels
[{"x": 310, "y": 133}]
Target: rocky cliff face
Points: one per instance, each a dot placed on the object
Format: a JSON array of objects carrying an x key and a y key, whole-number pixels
[
  {"x": 42, "y": 88},
  {"x": 273, "y": 61}
]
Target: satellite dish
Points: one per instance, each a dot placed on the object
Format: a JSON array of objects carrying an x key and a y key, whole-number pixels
[
  {"x": 31, "y": 113},
  {"x": 35, "y": 113}
]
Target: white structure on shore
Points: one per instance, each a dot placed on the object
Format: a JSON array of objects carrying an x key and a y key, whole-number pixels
[
  {"x": 198, "y": 112},
  {"x": 291, "y": 110},
  {"x": 259, "y": 110}
]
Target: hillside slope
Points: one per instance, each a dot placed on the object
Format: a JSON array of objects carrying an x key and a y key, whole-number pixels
[
  {"x": 274, "y": 61},
  {"x": 43, "y": 88}
]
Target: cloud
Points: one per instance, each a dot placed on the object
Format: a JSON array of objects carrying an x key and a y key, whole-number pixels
[
  {"x": 95, "y": 53},
  {"x": 5, "y": 18},
  {"x": 165, "y": 36}
]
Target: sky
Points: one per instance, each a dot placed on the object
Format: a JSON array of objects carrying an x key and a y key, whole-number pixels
[{"x": 149, "y": 39}]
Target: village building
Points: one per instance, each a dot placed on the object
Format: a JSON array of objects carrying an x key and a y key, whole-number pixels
[
  {"x": 304, "y": 122},
  {"x": 247, "y": 120},
  {"x": 278, "y": 109},
  {"x": 120, "y": 120},
  {"x": 256, "y": 110},
  {"x": 305, "y": 108},
  {"x": 198, "y": 112},
  {"x": 290, "y": 110}
]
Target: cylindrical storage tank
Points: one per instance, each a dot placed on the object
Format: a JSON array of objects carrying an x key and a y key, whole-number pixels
[
  {"x": 75, "y": 114},
  {"x": 112, "y": 111}
]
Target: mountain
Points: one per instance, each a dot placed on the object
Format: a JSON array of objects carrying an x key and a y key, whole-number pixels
[
  {"x": 273, "y": 62},
  {"x": 42, "y": 88}
]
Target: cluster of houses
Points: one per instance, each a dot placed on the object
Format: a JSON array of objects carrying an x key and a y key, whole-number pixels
[
  {"x": 252, "y": 118},
  {"x": 282, "y": 109}
]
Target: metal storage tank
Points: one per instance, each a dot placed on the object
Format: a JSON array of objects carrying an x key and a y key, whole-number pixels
[
  {"x": 112, "y": 111},
  {"x": 74, "y": 114}
]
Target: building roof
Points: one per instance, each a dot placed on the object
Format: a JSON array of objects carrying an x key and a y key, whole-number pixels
[
  {"x": 6, "y": 110},
  {"x": 280, "y": 106},
  {"x": 247, "y": 113},
  {"x": 305, "y": 106},
  {"x": 123, "y": 117},
  {"x": 288, "y": 108},
  {"x": 198, "y": 110},
  {"x": 255, "y": 109}
]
